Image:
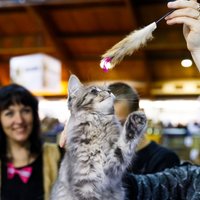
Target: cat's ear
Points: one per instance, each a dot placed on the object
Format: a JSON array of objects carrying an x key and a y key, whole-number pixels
[{"x": 73, "y": 84}]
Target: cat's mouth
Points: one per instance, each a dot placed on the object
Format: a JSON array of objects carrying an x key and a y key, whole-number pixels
[{"x": 104, "y": 98}]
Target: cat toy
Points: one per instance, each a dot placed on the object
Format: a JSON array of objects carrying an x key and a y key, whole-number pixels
[{"x": 128, "y": 45}]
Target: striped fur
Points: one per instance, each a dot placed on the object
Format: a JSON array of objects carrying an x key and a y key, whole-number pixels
[{"x": 98, "y": 149}]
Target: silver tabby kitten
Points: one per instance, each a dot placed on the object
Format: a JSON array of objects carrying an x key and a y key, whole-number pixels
[{"x": 98, "y": 149}]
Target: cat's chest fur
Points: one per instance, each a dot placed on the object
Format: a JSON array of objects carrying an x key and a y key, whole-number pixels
[{"x": 92, "y": 133}]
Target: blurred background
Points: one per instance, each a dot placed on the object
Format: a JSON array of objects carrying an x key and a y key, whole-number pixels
[{"x": 42, "y": 42}]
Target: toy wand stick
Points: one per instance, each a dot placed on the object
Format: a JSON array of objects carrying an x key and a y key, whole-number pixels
[
  {"x": 129, "y": 44},
  {"x": 171, "y": 11}
]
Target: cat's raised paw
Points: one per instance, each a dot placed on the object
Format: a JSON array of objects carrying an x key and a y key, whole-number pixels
[{"x": 135, "y": 124}]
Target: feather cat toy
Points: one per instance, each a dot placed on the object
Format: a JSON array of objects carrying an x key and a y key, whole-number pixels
[{"x": 128, "y": 45}]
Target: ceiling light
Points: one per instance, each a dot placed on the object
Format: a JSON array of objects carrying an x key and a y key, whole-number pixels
[{"x": 186, "y": 63}]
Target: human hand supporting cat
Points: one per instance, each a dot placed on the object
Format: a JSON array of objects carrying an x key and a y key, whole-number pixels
[{"x": 63, "y": 137}]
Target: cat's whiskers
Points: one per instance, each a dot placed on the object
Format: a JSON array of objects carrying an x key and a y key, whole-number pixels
[{"x": 121, "y": 99}]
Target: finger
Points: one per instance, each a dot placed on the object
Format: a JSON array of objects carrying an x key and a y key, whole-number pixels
[
  {"x": 63, "y": 136},
  {"x": 185, "y": 12},
  {"x": 183, "y": 4},
  {"x": 184, "y": 9},
  {"x": 191, "y": 22}
]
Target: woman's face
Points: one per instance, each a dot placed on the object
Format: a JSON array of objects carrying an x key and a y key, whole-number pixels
[{"x": 17, "y": 122}]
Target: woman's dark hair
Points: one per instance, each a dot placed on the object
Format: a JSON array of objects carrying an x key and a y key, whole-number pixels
[
  {"x": 17, "y": 94},
  {"x": 123, "y": 91}
]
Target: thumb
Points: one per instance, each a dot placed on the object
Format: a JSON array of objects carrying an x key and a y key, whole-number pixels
[{"x": 63, "y": 137}]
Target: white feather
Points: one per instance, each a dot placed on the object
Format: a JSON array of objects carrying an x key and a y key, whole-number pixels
[{"x": 129, "y": 44}]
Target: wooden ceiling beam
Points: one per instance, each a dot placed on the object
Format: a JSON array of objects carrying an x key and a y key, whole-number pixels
[
  {"x": 22, "y": 41},
  {"x": 98, "y": 34},
  {"x": 48, "y": 30},
  {"x": 85, "y": 4},
  {"x": 25, "y": 50},
  {"x": 60, "y": 4},
  {"x": 147, "y": 71}
]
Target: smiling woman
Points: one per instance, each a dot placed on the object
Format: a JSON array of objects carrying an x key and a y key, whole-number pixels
[
  {"x": 17, "y": 122},
  {"x": 28, "y": 167}
]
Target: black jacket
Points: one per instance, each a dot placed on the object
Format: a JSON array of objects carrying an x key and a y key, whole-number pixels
[
  {"x": 153, "y": 158},
  {"x": 177, "y": 183}
]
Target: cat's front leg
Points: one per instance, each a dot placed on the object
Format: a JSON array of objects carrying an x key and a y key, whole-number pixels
[
  {"x": 134, "y": 129},
  {"x": 121, "y": 156}
]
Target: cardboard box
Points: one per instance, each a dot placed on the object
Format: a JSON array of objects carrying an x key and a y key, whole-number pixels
[{"x": 36, "y": 72}]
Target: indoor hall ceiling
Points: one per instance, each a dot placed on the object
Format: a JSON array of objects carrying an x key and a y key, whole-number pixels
[{"x": 78, "y": 32}]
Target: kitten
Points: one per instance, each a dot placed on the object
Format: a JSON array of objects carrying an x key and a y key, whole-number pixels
[{"x": 98, "y": 149}]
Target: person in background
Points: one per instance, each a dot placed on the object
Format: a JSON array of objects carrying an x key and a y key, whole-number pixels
[
  {"x": 150, "y": 156},
  {"x": 179, "y": 182},
  {"x": 28, "y": 167}
]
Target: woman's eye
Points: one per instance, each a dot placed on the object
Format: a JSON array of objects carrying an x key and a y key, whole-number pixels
[
  {"x": 9, "y": 113},
  {"x": 26, "y": 110}
]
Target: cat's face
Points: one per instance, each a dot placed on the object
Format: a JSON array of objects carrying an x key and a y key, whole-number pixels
[{"x": 89, "y": 98}]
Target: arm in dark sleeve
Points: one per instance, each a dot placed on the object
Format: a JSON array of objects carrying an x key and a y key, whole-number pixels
[
  {"x": 181, "y": 182},
  {"x": 130, "y": 185}
]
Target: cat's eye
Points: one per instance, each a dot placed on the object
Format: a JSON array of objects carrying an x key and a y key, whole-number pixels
[
  {"x": 94, "y": 91},
  {"x": 69, "y": 98}
]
